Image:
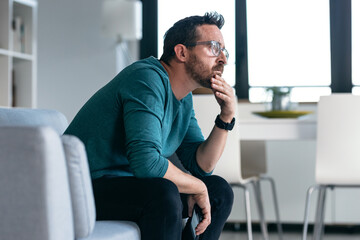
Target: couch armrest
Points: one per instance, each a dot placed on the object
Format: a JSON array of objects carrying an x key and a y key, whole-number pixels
[{"x": 35, "y": 201}]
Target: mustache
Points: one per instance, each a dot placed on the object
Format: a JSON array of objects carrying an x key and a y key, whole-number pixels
[{"x": 219, "y": 67}]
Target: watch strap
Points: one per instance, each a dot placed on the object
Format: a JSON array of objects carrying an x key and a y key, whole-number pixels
[{"x": 224, "y": 125}]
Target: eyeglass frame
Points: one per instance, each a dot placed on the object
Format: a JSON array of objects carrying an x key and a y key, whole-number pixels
[{"x": 212, "y": 43}]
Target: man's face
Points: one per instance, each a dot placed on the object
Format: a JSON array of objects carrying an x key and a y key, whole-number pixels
[{"x": 202, "y": 64}]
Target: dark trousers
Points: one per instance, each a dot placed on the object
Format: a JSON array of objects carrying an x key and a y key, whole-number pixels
[{"x": 156, "y": 205}]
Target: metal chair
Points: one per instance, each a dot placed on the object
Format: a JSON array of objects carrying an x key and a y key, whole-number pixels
[
  {"x": 337, "y": 153},
  {"x": 240, "y": 168}
]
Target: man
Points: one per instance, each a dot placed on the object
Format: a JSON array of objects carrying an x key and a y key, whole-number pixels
[{"x": 138, "y": 120}]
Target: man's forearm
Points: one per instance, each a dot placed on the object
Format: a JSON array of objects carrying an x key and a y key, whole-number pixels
[
  {"x": 209, "y": 152},
  {"x": 186, "y": 183},
  {"x": 197, "y": 191}
]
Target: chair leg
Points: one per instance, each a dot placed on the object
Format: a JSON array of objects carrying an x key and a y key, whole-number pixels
[
  {"x": 307, "y": 209},
  {"x": 247, "y": 209},
  {"x": 276, "y": 205},
  {"x": 260, "y": 208},
  {"x": 320, "y": 212}
]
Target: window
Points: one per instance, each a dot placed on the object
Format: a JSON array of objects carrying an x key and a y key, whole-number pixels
[
  {"x": 289, "y": 45},
  {"x": 355, "y": 33},
  {"x": 301, "y": 43},
  {"x": 167, "y": 16}
]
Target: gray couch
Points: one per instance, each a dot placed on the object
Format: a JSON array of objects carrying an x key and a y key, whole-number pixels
[{"x": 45, "y": 186}]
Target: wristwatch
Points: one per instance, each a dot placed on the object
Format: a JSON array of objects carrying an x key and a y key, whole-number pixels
[{"x": 224, "y": 125}]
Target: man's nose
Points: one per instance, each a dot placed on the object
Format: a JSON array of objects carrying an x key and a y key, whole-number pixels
[{"x": 222, "y": 57}]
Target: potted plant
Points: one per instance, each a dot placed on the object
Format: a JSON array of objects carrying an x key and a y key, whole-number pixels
[{"x": 280, "y": 98}]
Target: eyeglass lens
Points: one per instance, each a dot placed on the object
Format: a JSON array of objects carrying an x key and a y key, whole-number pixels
[{"x": 216, "y": 49}]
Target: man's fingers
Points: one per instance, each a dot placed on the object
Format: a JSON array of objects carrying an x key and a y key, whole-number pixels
[
  {"x": 201, "y": 227},
  {"x": 221, "y": 86},
  {"x": 222, "y": 96},
  {"x": 205, "y": 222}
]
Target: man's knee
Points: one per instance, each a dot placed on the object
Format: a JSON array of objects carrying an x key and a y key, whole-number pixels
[
  {"x": 226, "y": 188},
  {"x": 220, "y": 190}
]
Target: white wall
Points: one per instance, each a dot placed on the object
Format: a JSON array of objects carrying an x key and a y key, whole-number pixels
[{"x": 74, "y": 59}]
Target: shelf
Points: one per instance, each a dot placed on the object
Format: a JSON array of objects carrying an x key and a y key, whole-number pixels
[
  {"x": 16, "y": 55},
  {"x": 30, "y": 3},
  {"x": 4, "y": 52},
  {"x": 18, "y": 43},
  {"x": 22, "y": 56},
  {"x": 23, "y": 16}
]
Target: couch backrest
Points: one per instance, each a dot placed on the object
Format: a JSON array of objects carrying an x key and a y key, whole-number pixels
[
  {"x": 81, "y": 194},
  {"x": 33, "y": 117},
  {"x": 80, "y": 186},
  {"x": 35, "y": 198}
]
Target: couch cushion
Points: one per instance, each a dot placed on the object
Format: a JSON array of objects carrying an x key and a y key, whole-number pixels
[
  {"x": 114, "y": 230},
  {"x": 33, "y": 117},
  {"x": 80, "y": 186}
]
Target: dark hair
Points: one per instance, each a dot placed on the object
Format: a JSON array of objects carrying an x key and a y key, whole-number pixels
[{"x": 184, "y": 32}]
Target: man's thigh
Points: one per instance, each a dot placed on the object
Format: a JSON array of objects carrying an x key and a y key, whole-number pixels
[{"x": 125, "y": 198}]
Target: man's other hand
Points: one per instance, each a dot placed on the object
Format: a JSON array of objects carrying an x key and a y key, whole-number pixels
[
  {"x": 225, "y": 97},
  {"x": 202, "y": 200}
]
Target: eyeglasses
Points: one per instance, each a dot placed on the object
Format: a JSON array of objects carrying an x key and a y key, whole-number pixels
[{"x": 215, "y": 47}]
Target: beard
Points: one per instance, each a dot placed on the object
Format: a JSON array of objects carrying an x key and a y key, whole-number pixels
[{"x": 200, "y": 72}]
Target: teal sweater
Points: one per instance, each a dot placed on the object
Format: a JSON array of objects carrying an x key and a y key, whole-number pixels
[{"x": 134, "y": 123}]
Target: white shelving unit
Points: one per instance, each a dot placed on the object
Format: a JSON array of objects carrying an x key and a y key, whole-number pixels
[{"x": 18, "y": 48}]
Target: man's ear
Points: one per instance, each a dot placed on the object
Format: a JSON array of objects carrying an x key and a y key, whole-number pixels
[{"x": 181, "y": 52}]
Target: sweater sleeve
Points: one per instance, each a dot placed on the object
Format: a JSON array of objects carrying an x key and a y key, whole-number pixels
[
  {"x": 143, "y": 108},
  {"x": 187, "y": 150}
]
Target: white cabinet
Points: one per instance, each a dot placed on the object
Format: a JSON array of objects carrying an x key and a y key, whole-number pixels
[{"x": 18, "y": 59}]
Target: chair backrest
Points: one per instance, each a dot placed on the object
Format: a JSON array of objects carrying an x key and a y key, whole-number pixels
[
  {"x": 253, "y": 158},
  {"x": 229, "y": 166},
  {"x": 338, "y": 140},
  {"x": 33, "y": 117},
  {"x": 240, "y": 160}
]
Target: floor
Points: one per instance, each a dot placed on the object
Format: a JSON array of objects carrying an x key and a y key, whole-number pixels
[{"x": 241, "y": 235}]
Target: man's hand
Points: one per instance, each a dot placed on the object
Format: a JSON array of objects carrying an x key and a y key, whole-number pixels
[
  {"x": 202, "y": 200},
  {"x": 197, "y": 191},
  {"x": 224, "y": 95}
]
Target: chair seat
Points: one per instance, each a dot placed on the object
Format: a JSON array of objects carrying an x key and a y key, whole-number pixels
[{"x": 114, "y": 230}]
